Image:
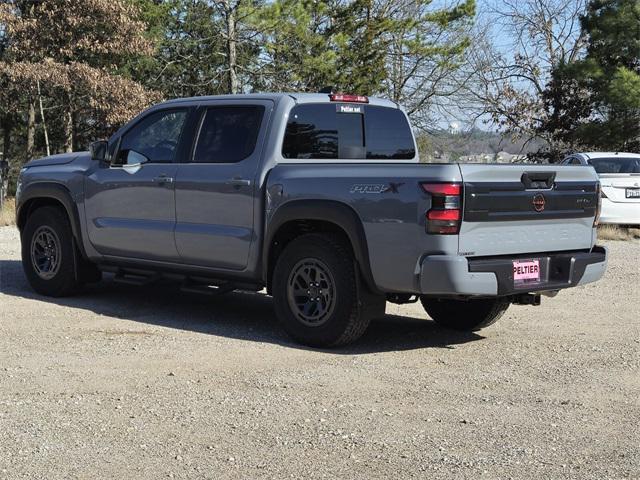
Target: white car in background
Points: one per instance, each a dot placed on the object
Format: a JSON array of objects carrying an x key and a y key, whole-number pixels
[{"x": 619, "y": 174}]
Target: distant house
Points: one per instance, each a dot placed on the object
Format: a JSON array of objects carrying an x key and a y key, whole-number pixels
[
  {"x": 505, "y": 157},
  {"x": 478, "y": 158},
  {"x": 500, "y": 157}
]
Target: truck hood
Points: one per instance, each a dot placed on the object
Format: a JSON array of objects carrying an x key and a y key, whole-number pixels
[{"x": 59, "y": 159}]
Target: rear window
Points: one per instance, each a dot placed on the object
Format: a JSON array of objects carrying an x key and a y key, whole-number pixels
[
  {"x": 347, "y": 131},
  {"x": 616, "y": 165}
]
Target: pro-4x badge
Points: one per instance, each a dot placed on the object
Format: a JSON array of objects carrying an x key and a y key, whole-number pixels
[
  {"x": 393, "y": 187},
  {"x": 376, "y": 187}
]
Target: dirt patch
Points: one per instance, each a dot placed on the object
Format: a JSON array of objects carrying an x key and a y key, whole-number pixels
[
  {"x": 123, "y": 332},
  {"x": 8, "y": 212},
  {"x": 148, "y": 382},
  {"x": 616, "y": 232}
]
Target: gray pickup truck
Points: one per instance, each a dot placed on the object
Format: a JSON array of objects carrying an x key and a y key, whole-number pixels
[{"x": 320, "y": 199}]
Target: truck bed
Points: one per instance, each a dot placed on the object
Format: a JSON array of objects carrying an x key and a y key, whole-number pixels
[{"x": 498, "y": 215}]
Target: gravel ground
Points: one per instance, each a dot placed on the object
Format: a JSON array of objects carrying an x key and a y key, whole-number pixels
[{"x": 133, "y": 382}]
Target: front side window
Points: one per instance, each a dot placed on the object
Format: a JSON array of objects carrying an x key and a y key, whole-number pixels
[
  {"x": 347, "y": 131},
  {"x": 154, "y": 139},
  {"x": 228, "y": 134}
]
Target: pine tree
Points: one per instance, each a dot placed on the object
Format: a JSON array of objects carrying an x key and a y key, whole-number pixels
[
  {"x": 406, "y": 50},
  {"x": 297, "y": 50},
  {"x": 597, "y": 99}
]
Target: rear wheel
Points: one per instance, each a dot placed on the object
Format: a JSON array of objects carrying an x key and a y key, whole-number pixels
[
  {"x": 465, "y": 315},
  {"x": 48, "y": 253},
  {"x": 318, "y": 296}
]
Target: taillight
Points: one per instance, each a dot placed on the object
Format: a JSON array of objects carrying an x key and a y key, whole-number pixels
[
  {"x": 347, "y": 98},
  {"x": 445, "y": 215},
  {"x": 600, "y": 194}
]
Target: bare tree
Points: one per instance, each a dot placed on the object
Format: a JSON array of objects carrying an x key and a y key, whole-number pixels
[
  {"x": 516, "y": 46},
  {"x": 72, "y": 48}
]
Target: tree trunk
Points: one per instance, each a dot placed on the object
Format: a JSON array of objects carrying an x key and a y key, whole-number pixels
[
  {"x": 44, "y": 124},
  {"x": 68, "y": 131},
  {"x": 231, "y": 49},
  {"x": 7, "y": 127},
  {"x": 31, "y": 130},
  {"x": 74, "y": 131}
]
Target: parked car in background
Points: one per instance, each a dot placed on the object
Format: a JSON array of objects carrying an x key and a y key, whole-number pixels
[{"x": 619, "y": 174}]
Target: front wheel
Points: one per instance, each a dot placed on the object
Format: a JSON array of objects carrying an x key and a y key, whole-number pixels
[
  {"x": 318, "y": 296},
  {"x": 48, "y": 253},
  {"x": 465, "y": 315}
]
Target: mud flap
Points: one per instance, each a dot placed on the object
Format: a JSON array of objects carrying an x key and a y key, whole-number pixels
[
  {"x": 84, "y": 271},
  {"x": 371, "y": 305}
]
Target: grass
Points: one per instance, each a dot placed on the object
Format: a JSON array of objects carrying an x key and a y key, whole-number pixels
[
  {"x": 615, "y": 232},
  {"x": 8, "y": 213}
]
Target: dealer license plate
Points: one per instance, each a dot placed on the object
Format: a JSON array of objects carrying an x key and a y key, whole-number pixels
[
  {"x": 526, "y": 272},
  {"x": 632, "y": 193}
]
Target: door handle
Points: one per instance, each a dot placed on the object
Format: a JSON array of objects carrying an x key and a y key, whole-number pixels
[
  {"x": 239, "y": 182},
  {"x": 162, "y": 179}
]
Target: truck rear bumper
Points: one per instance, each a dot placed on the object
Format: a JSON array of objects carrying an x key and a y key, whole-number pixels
[{"x": 445, "y": 275}]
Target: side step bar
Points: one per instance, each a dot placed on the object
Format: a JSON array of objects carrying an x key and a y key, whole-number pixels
[
  {"x": 189, "y": 283},
  {"x": 190, "y": 287},
  {"x": 134, "y": 279}
]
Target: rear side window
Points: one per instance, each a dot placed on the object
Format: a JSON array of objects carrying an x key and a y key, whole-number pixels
[
  {"x": 388, "y": 134},
  {"x": 347, "y": 131},
  {"x": 228, "y": 134}
]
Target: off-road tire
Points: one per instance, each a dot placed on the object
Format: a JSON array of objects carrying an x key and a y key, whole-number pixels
[
  {"x": 64, "y": 281},
  {"x": 354, "y": 305},
  {"x": 465, "y": 315}
]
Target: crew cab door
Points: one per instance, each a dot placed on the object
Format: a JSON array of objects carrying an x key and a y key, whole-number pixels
[
  {"x": 130, "y": 202},
  {"x": 216, "y": 187}
]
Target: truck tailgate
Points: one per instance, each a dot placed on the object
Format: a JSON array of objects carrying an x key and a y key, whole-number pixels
[{"x": 515, "y": 209}]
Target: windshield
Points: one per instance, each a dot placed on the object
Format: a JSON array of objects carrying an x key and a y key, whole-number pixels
[{"x": 616, "y": 165}]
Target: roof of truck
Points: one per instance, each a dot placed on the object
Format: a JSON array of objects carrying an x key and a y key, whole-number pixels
[{"x": 298, "y": 97}]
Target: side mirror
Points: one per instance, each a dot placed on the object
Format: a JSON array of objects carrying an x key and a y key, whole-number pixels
[{"x": 98, "y": 150}]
